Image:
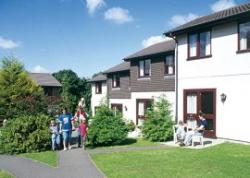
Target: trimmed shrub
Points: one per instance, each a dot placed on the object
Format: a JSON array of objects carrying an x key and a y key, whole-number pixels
[
  {"x": 158, "y": 123},
  {"x": 25, "y": 134},
  {"x": 107, "y": 128}
]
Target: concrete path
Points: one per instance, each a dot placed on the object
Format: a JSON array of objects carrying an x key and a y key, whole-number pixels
[{"x": 74, "y": 163}]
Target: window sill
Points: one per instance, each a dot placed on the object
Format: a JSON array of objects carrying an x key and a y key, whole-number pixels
[
  {"x": 144, "y": 78},
  {"x": 197, "y": 58},
  {"x": 169, "y": 76},
  {"x": 98, "y": 93},
  {"x": 243, "y": 51},
  {"x": 115, "y": 89}
]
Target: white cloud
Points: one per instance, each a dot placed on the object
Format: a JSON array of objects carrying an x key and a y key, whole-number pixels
[
  {"x": 8, "y": 44},
  {"x": 39, "y": 69},
  {"x": 178, "y": 19},
  {"x": 222, "y": 4},
  {"x": 93, "y": 5},
  {"x": 153, "y": 40},
  {"x": 118, "y": 15}
]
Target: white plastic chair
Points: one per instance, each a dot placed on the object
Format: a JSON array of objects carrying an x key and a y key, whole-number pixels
[
  {"x": 198, "y": 138},
  {"x": 175, "y": 134}
]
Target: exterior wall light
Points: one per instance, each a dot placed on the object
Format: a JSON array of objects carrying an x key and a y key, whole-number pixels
[{"x": 223, "y": 97}]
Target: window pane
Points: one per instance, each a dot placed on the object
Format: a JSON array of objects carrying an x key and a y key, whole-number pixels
[
  {"x": 245, "y": 36},
  {"x": 114, "y": 81},
  {"x": 205, "y": 44},
  {"x": 170, "y": 60},
  {"x": 141, "y": 111},
  {"x": 207, "y": 102},
  {"x": 141, "y": 68},
  {"x": 147, "y": 67},
  {"x": 193, "y": 45},
  {"x": 191, "y": 103}
]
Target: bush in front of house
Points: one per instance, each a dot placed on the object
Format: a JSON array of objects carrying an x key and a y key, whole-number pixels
[
  {"x": 107, "y": 128},
  {"x": 158, "y": 123},
  {"x": 25, "y": 134}
]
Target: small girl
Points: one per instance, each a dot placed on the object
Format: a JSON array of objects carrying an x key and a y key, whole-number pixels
[
  {"x": 55, "y": 137},
  {"x": 83, "y": 131}
]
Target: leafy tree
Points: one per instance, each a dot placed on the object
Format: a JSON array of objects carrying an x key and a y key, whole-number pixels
[
  {"x": 19, "y": 94},
  {"x": 73, "y": 88},
  {"x": 158, "y": 123},
  {"x": 107, "y": 127}
]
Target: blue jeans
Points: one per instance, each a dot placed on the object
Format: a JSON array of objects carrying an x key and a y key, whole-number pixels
[{"x": 55, "y": 138}]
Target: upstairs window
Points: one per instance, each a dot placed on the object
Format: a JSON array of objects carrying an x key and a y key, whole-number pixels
[
  {"x": 199, "y": 45},
  {"x": 98, "y": 88},
  {"x": 145, "y": 68},
  {"x": 244, "y": 36},
  {"x": 169, "y": 65},
  {"x": 115, "y": 81}
]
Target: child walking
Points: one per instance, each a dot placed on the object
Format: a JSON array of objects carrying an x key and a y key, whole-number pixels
[
  {"x": 83, "y": 127},
  {"x": 55, "y": 137}
]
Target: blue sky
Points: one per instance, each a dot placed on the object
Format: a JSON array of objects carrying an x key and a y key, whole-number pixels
[{"x": 89, "y": 36}]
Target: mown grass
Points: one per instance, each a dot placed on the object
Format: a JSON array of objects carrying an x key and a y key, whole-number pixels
[
  {"x": 226, "y": 160},
  {"x": 47, "y": 157},
  {"x": 129, "y": 142},
  {"x": 4, "y": 174}
]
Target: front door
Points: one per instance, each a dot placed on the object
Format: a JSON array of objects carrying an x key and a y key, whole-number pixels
[
  {"x": 203, "y": 100},
  {"x": 141, "y": 108}
]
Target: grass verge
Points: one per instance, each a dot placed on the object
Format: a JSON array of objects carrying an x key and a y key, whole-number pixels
[
  {"x": 47, "y": 157},
  {"x": 4, "y": 174}
]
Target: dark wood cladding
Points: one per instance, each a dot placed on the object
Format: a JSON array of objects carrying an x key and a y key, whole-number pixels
[
  {"x": 156, "y": 82},
  {"x": 124, "y": 91}
]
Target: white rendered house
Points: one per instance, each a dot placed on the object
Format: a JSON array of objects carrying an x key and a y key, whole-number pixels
[
  {"x": 213, "y": 71},
  {"x": 98, "y": 91}
]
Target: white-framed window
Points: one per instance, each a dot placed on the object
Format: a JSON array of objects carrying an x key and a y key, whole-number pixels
[
  {"x": 115, "y": 81},
  {"x": 244, "y": 36},
  {"x": 169, "y": 65},
  {"x": 144, "y": 68}
]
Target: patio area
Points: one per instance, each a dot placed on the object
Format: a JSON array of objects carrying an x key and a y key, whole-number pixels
[{"x": 208, "y": 142}]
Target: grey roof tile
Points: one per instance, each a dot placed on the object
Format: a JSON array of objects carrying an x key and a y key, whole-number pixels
[
  {"x": 162, "y": 47},
  {"x": 98, "y": 77},
  {"x": 119, "y": 67},
  {"x": 45, "y": 79},
  {"x": 221, "y": 16}
]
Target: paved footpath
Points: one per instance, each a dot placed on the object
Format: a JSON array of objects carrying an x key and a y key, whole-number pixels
[{"x": 74, "y": 163}]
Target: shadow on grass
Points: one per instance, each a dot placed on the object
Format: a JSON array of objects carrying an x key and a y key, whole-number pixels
[{"x": 126, "y": 142}]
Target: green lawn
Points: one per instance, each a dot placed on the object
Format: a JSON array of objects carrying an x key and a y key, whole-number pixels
[
  {"x": 47, "y": 157},
  {"x": 226, "y": 160},
  {"x": 129, "y": 142},
  {"x": 4, "y": 174}
]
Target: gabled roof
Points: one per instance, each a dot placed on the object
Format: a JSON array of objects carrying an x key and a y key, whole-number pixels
[
  {"x": 224, "y": 16},
  {"x": 45, "y": 79},
  {"x": 98, "y": 78},
  {"x": 120, "y": 67},
  {"x": 163, "y": 47}
]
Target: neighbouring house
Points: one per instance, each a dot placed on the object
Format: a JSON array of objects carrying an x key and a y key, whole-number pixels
[
  {"x": 132, "y": 86},
  {"x": 50, "y": 86},
  {"x": 98, "y": 91},
  {"x": 152, "y": 74},
  {"x": 213, "y": 67},
  {"x": 118, "y": 85}
]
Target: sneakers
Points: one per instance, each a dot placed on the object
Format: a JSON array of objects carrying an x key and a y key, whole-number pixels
[{"x": 65, "y": 149}]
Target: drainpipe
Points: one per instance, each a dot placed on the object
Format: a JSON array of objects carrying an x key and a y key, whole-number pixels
[{"x": 176, "y": 74}]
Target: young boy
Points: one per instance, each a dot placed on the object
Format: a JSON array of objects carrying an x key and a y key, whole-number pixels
[
  {"x": 83, "y": 131},
  {"x": 55, "y": 137}
]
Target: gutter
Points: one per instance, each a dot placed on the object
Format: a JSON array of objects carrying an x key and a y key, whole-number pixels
[{"x": 170, "y": 35}]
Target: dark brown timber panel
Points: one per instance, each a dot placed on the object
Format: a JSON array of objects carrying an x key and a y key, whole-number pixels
[
  {"x": 123, "y": 92},
  {"x": 156, "y": 82}
]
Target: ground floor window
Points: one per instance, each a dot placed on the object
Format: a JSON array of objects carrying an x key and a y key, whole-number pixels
[{"x": 117, "y": 108}]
